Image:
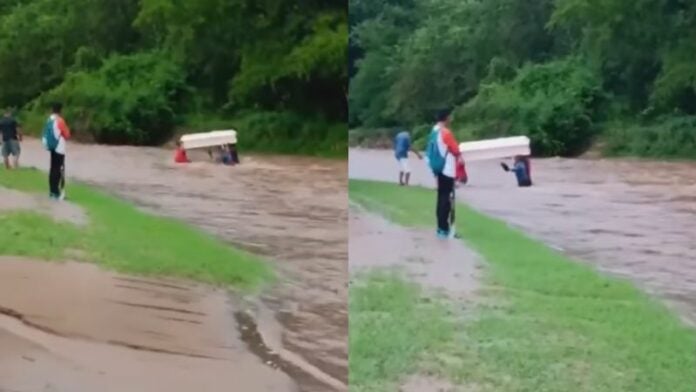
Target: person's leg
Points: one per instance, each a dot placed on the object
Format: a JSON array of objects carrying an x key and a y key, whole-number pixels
[
  {"x": 448, "y": 183},
  {"x": 401, "y": 171},
  {"x": 407, "y": 171},
  {"x": 443, "y": 197},
  {"x": 16, "y": 150},
  {"x": 54, "y": 174},
  {"x": 6, "y": 154},
  {"x": 61, "y": 183}
]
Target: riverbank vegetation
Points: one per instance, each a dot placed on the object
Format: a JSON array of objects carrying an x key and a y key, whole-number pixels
[
  {"x": 137, "y": 71},
  {"x": 564, "y": 72}
]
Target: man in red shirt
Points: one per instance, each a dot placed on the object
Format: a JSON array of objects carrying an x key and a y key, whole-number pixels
[{"x": 180, "y": 154}]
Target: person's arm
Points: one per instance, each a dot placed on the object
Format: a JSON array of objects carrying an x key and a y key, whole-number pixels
[
  {"x": 451, "y": 143},
  {"x": 20, "y": 135},
  {"x": 63, "y": 128}
]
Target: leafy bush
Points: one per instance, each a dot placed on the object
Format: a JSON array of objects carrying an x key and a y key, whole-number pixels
[
  {"x": 132, "y": 99},
  {"x": 667, "y": 137},
  {"x": 556, "y": 104},
  {"x": 281, "y": 132}
]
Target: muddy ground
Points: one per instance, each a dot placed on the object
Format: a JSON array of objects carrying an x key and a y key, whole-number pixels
[
  {"x": 73, "y": 327},
  {"x": 633, "y": 219},
  {"x": 448, "y": 267},
  {"x": 291, "y": 210},
  {"x": 440, "y": 267}
]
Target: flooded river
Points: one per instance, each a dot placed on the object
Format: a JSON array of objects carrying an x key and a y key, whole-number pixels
[
  {"x": 292, "y": 210},
  {"x": 633, "y": 219}
]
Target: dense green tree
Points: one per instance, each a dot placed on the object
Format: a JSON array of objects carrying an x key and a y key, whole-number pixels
[
  {"x": 207, "y": 59},
  {"x": 480, "y": 55}
]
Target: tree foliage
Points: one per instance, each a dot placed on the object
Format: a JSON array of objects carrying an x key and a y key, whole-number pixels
[
  {"x": 624, "y": 59},
  {"x": 135, "y": 69}
]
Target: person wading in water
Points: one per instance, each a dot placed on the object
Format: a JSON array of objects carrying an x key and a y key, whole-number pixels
[{"x": 522, "y": 170}]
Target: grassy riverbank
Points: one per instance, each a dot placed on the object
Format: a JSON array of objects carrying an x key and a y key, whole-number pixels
[
  {"x": 547, "y": 323},
  {"x": 123, "y": 238}
]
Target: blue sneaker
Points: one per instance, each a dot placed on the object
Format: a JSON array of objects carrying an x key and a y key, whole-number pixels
[{"x": 441, "y": 234}]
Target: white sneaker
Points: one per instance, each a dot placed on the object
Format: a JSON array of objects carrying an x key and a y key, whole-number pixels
[{"x": 62, "y": 195}]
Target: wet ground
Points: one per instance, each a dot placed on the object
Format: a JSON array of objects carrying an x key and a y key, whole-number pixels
[
  {"x": 74, "y": 327},
  {"x": 448, "y": 267},
  {"x": 633, "y": 219},
  {"x": 441, "y": 267},
  {"x": 291, "y": 210}
]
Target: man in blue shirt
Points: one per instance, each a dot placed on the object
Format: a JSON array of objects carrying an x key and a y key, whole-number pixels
[
  {"x": 522, "y": 171},
  {"x": 11, "y": 136},
  {"x": 402, "y": 146}
]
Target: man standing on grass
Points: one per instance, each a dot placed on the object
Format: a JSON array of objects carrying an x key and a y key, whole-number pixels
[
  {"x": 402, "y": 146},
  {"x": 55, "y": 134},
  {"x": 11, "y": 136},
  {"x": 443, "y": 156}
]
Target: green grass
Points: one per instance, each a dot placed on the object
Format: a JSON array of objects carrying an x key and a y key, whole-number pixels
[
  {"x": 33, "y": 234},
  {"x": 122, "y": 238},
  {"x": 556, "y": 325},
  {"x": 391, "y": 324}
]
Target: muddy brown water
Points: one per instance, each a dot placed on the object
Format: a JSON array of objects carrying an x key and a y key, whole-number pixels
[
  {"x": 292, "y": 210},
  {"x": 633, "y": 219},
  {"x": 72, "y": 327}
]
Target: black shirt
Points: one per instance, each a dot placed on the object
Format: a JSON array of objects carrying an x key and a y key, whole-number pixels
[{"x": 8, "y": 127}]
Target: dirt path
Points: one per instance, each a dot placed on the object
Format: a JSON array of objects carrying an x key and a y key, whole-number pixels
[
  {"x": 292, "y": 210},
  {"x": 446, "y": 267},
  {"x": 73, "y": 327},
  {"x": 633, "y": 219},
  {"x": 13, "y": 201}
]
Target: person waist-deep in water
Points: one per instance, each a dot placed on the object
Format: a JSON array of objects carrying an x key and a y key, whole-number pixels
[
  {"x": 444, "y": 157},
  {"x": 229, "y": 155},
  {"x": 180, "y": 155},
  {"x": 11, "y": 138},
  {"x": 402, "y": 146},
  {"x": 55, "y": 135},
  {"x": 522, "y": 170}
]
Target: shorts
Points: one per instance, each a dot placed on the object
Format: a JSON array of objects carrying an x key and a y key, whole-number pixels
[
  {"x": 11, "y": 147},
  {"x": 403, "y": 165}
]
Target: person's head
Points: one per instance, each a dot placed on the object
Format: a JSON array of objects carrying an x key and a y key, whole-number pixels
[
  {"x": 178, "y": 144},
  {"x": 444, "y": 116},
  {"x": 57, "y": 108},
  {"x": 521, "y": 158}
]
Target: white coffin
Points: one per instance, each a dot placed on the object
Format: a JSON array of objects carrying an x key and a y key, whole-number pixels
[
  {"x": 208, "y": 139},
  {"x": 495, "y": 148}
]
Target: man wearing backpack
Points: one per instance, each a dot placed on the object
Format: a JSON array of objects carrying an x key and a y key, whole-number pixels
[
  {"x": 443, "y": 157},
  {"x": 55, "y": 134}
]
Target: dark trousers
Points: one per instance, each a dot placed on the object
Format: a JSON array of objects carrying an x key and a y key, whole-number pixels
[
  {"x": 55, "y": 174},
  {"x": 445, "y": 187}
]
